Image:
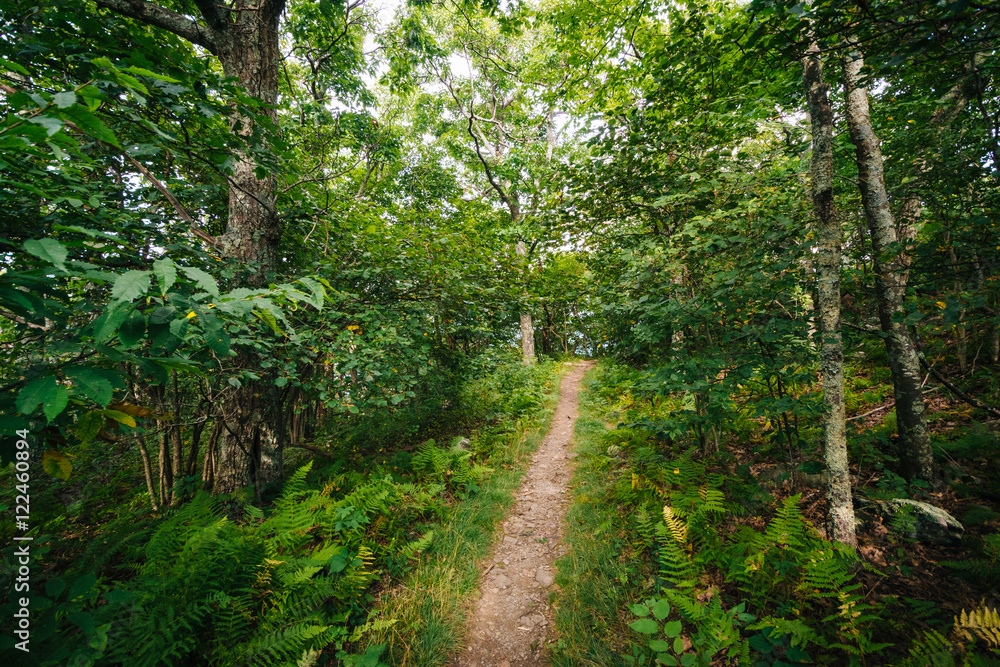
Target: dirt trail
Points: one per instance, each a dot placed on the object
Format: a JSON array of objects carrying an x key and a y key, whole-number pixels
[{"x": 512, "y": 616}]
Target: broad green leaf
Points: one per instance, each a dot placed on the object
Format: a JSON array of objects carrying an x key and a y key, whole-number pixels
[
  {"x": 166, "y": 274},
  {"x": 202, "y": 279},
  {"x": 90, "y": 384},
  {"x": 639, "y": 609},
  {"x": 36, "y": 393},
  {"x": 64, "y": 99},
  {"x": 672, "y": 628},
  {"x": 52, "y": 408},
  {"x": 318, "y": 293},
  {"x": 661, "y": 609},
  {"x": 678, "y": 645},
  {"x": 219, "y": 342},
  {"x": 50, "y": 123},
  {"x": 152, "y": 75},
  {"x": 49, "y": 250},
  {"x": 268, "y": 318},
  {"x": 132, "y": 329},
  {"x": 646, "y": 626},
  {"x": 89, "y": 425},
  {"x": 56, "y": 464},
  {"x": 107, "y": 323},
  {"x": 659, "y": 645},
  {"x": 82, "y": 585},
  {"x": 129, "y": 285}
]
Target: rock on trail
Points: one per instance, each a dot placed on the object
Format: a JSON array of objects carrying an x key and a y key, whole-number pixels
[{"x": 510, "y": 623}]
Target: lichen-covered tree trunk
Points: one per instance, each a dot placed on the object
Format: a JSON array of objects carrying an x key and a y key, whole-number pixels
[
  {"x": 890, "y": 263},
  {"x": 527, "y": 326},
  {"x": 828, "y": 260},
  {"x": 244, "y": 36}
]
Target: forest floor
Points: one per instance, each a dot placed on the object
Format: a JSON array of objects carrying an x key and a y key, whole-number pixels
[{"x": 512, "y": 617}]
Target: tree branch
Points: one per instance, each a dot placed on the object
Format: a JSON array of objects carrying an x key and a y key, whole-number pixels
[{"x": 161, "y": 17}]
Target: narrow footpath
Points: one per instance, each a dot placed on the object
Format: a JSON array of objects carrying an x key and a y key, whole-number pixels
[{"x": 510, "y": 624}]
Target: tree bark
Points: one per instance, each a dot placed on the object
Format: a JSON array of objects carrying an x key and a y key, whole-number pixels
[
  {"x": 244, "y": 36},
  {"x": 527, "y": 327},
  {"x": 890, "y": 262},
  {"x": 840, "y": 506}
]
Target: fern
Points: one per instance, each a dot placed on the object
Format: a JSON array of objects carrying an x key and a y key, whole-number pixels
[
  {"x": 933, "y": 650},
  {"x": 982, "y": 623},
  {"x": 983, "y": 570}
]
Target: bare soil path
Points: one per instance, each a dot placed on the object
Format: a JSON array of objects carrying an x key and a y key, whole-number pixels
[{"x": 510, "y": 624}]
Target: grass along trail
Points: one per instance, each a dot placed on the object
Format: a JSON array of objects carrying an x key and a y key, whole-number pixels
[{"x": 510, "y": 623}]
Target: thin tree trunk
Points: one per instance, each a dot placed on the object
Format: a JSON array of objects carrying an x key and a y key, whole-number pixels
[
  {"x": 527, "y": 327},
  {"x": 147, "y": 471},
  {"x": 890, "y": 277},
  {"x": 828, "y": 265}
]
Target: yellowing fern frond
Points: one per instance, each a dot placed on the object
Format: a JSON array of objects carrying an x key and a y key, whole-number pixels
[
  {"x": 982, "y": 623},
  {"x": 675, "y": 525}
]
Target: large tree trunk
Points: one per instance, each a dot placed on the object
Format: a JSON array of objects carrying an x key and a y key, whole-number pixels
[
  {"x": 244, "y": 36},
  {"x": 828, "y": 259},
  {"x": 890, "y": 264}
]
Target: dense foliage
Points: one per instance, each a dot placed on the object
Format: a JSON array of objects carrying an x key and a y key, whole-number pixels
[{"x": 263, "y": 264}]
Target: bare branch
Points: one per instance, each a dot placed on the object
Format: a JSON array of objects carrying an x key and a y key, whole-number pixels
[{"x": 161, "y": 17}]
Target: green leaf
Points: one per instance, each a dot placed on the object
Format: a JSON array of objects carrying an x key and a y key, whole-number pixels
[
  {"x": 50, "y": 123},
  {"x": 35, "y": 393},
  {"x": 659, "y": 645},
  {"x": 219, "y": 342},
  {"x": 166, "y": 274},
  {"x": 56, "y": 464},
  {"x": 107, "y": 323},
  {"x": 54, "y": 587},
  {"x": 48, "y": 250},
  {"x": 82, "y": 586},
  {"x": 89, "y": 425},
  {"x": 760, "y": 644},
  {"x": 268, "y": 318},
  {"x": 91, "y": 384},
  {"x": 152, "y": 75},
  {"x": 57, "y": 403},
  {"x": 678, "y": 645},
  {"x": 133, "y": 329},
  {"x": 202, "y": 279},
  {"x": 661, "y": 609},
  {"x": 639, "y": 609},
  {"x": 672, "y": 628},
  {"x": 318, "y": 293},
  {"x": 129, "y": 285},
  {"x": 646, "y": 626},
  {"x": 64, "y": 99}
]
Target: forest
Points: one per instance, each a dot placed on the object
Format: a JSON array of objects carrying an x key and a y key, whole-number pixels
[{"x": 288, "y": 289}]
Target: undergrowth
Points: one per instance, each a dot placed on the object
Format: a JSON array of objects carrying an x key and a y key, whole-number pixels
[
  {"x": 221, "y": 581},
  {"x": 676, "y": 558}
]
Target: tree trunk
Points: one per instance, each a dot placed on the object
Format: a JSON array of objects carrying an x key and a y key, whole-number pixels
[
  {"x": 244, "y": 36},
  {"x": 890, "y": 264},
  {"x": 828, "y": 259},
  {"x": 527, "y": 328}
]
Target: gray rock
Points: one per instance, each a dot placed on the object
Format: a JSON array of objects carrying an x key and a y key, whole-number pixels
[
  {"x": 503, "y": 581},
  {"x": 462, "y": 445},
  {"x": 784, "y": 472},
  {"x": 544, "y": 577},
  {"x": 920, "y": 522}
]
